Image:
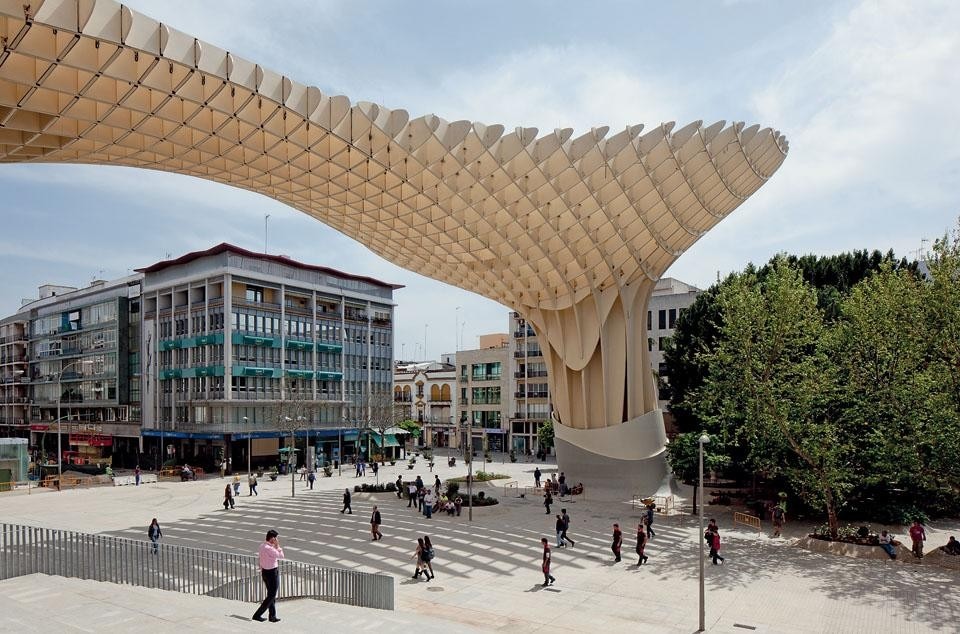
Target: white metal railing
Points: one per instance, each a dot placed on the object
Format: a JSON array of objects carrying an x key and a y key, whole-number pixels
[{"x": 26, "y": 550}]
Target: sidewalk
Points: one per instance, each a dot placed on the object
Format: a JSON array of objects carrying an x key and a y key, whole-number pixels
[{"x": 487, "y": 572}]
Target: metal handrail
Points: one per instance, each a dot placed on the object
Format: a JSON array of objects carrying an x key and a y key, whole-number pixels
[{"x": 26, "y": 550}]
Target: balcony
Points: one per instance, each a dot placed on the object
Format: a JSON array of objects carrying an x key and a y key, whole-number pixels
[
  {"x": 486, "y": 377},
  {"x": 519, "y": 334}
]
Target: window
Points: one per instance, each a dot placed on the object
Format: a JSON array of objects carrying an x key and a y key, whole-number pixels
[
  {"x": 662, "y": 319},
  {"x": 649, "y": 344},
  {"x": 649, "y": 320},
  {"x": 673, "y": 317},
  {"x": 254, "y": 294}
]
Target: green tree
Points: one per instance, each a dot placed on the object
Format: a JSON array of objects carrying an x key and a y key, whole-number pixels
[
  {"x": 883, "y": 394},
  {"x": 769, "y": 385},
  {"x": 683, "y": 454},
  {"x": 545, "y": 434},
  {"x": 941, "y": 316},
  {"x": 697, "y": 329}
]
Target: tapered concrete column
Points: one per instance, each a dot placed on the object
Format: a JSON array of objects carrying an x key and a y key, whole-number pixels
[{"x": 609, "y": 432}]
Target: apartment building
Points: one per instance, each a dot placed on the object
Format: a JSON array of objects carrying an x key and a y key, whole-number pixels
[
  {"x": 83, "y": 359},
  {"x": 669, "y": 299},
  {"x": 483, "y": 382},
  {"x": 530, "y": 395},
  {"x": 243, "y": 350},
  {"x": 426, "y": 393},
  {"x": 14, "y": 376}
]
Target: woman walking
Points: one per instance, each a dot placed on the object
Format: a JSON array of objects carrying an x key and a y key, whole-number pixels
[
  {"x": 154, "y": 534},
  {"x": 227, "y": 497},
  {"x": 547, "y": 501},
  {"x": 418, "y": 555},
  {"x": 641, "y": 544},
  {"x": 715, "y": 547},
  {"x": 428, "y": 557}
]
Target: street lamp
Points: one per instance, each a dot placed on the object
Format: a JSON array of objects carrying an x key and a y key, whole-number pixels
[
  {"x": 249, "y": 446},
  {"x": 704, "y": 439},
  {"x": 59, "y": 421}
]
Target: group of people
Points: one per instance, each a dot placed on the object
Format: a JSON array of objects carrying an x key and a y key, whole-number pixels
[
  {"x": 429, "y": 500},
  {"x": 645, "y": 533}
]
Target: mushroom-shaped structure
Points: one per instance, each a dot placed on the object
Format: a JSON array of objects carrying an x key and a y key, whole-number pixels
[{"x": 570, "y": 231}]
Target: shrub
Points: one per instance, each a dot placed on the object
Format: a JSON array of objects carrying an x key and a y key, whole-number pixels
[
  {"x": 453, "y": 488},
  {"x": 383, "y": 487},
  {"x": 481, "y": 500}
]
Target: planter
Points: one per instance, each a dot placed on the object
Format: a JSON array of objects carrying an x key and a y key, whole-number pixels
[
  {"x": 393, "y": 462},
  {"x": 847, "y": 549}
]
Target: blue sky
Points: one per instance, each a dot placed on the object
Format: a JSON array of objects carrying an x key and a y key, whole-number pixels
[{"x": 866, "y": 92}]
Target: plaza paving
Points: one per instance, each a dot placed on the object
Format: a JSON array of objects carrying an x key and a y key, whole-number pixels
[{"x": 488, "y": 571}]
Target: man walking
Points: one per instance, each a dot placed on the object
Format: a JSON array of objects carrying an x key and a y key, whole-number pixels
[
  {"x": 778, "y": 519},
  {"x": 918, "y": 535},
  {"x": 136, "y": 475},
  {"x": 310, "y": 479},
  {"x": 641, "y": 544},
  {"x": 547, "y": 501},
  {"x": 399, "y": 486},
  {"x": 545, "y": 564},
  {"x": 252, "y": 483},
  {"x": 536, "y": 477},
  {"x": 566, "y": 527},
  {"x": 617, "y": 542},
  {"x": 375, "y": 521},
  {"x": 270, "y": 553},
  {"x": 412, "y": 492},
  {"x": 346, "y": 502},
  {"x": 650, "y": 509}
]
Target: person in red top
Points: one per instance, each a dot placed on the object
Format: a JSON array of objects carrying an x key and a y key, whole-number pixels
[
  {"x": 617, "y": 542},
  {"x": 545, "y": 565},
  {"x": 270, "y": 554},
  {"x": 918, "y": 535},
  {"x": 715, "y": 546}
]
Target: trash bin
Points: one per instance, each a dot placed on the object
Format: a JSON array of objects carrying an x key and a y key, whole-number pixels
[{"x": 336, "y": 464}]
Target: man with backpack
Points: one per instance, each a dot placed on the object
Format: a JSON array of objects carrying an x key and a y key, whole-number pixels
[{"x": 779, "y": 517}]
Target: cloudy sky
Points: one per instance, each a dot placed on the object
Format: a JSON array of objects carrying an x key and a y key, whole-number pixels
[{"x": 867, "y": 93}]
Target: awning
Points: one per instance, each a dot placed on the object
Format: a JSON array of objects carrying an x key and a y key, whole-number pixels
[
  {"x": 389, "y": 440},
  {"x": 350, "y": 436}
]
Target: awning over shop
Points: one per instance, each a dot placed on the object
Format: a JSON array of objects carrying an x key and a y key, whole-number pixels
[
  {"x": 350, "y": 436},
  {"x": 389, "y": 440}
]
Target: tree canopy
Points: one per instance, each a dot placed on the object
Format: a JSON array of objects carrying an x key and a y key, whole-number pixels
[{"x": 838, "y": 378}]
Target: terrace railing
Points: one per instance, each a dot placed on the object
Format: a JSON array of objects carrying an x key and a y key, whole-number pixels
[{"x": 26, "y": 550}]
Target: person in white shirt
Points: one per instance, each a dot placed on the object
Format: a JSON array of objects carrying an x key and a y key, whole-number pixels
[
  {"x": 428, "y": 501},
  {"x": 887, "y": 544}
]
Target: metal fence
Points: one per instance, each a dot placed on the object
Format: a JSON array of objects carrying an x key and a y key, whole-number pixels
[{"x": 26, "y": 550}]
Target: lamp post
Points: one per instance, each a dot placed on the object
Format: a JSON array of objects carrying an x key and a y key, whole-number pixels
[
  {"x": 59, "y": 420},
  {"x": 249, "y": 447},
  {"x": 704, "y": 439},
  {"x": 470, "y": 485}
]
